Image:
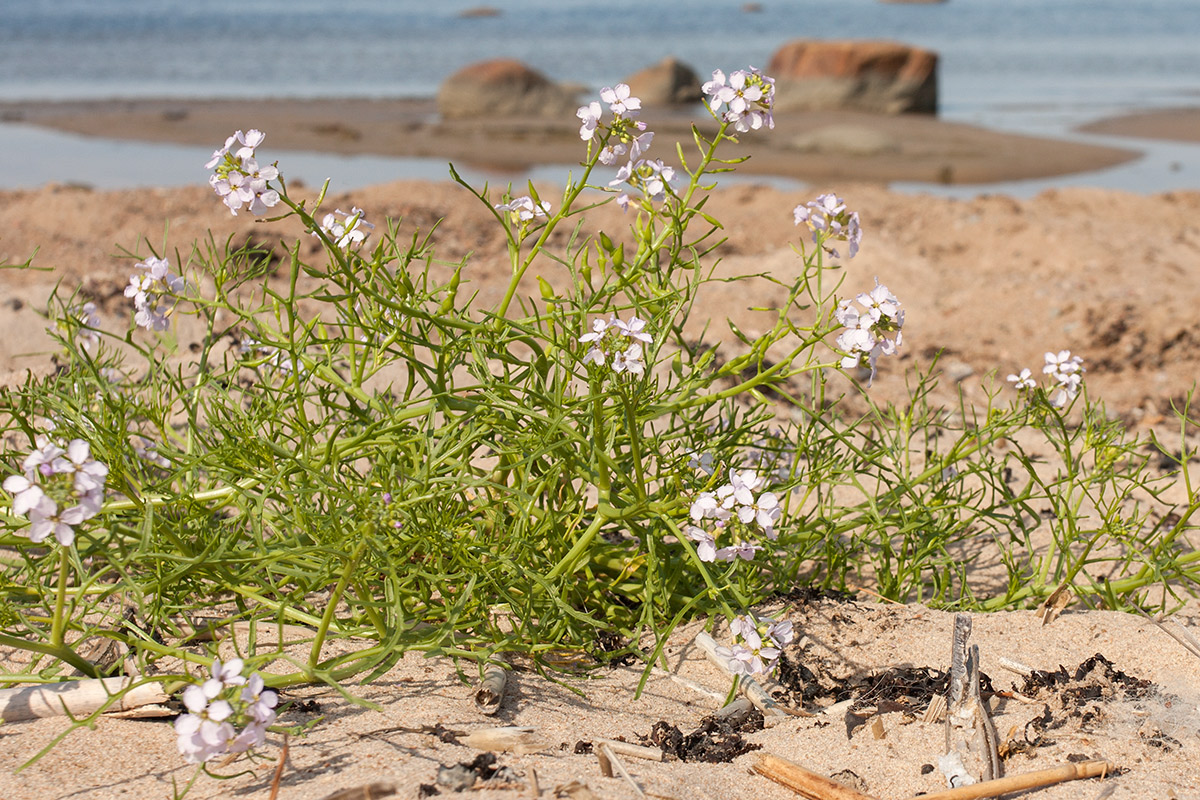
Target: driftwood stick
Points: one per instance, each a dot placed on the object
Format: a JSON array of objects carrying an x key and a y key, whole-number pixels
[
  {"x": 631, "y": 750},
  {"x": 78, "y": 698},
  {"x": 1023, "y": 782},
  {"x": 804, "y": 782}
]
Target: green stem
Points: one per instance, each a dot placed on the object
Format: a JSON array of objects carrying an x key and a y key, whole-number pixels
[
  {"x": 58, "y": 625},
  {"x": 61, "y": 652},
  {"x": 568, "y": 562},
  {"x": 314, "y": 657}
]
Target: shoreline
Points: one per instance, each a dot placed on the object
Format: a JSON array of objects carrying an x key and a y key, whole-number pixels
[
  {"x": 1168, "y": 124},
  {"x": 816, "y": 146}
]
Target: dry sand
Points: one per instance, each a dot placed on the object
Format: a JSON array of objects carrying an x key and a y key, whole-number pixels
[{"x": 991, "y": 282}]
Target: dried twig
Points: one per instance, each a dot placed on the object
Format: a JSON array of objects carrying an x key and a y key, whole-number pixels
[
  {"x": 1178, "y": 633},
  {"x": 1024, "y": 782},
  {"x": 283, "y": 755},
  {"x": 77, "y": 698},
  {"x": 804, "y": 782},
  {"x": 631, "y": 750},
  {"x": 370, "y": 791},
  {"x": 615, "y": 762}
]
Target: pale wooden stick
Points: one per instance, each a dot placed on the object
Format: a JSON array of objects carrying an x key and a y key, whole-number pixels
[
  {"x": 490, "y": 693},
  {"x": 804, "y": 782},
  {"x": 751, "y": 688},
  {"x": 632, "y": 750},
  {"x": 697, "y": 688},
  {"x": 77, "y": 698},
  {"x": 1024, "y": 782},
  {"x": 1014, "y": 666}
]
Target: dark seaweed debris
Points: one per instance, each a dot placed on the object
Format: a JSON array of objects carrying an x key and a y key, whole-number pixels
[
  {"x": 906, "y": 689},
  {"x": 715, "y": 741},
  {"x": 1091, "y": 680}
]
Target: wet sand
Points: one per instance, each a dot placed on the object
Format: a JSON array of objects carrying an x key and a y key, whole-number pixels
[
  {"x": 818, "y": 146},
  {"x": 1175, "y": 125}
]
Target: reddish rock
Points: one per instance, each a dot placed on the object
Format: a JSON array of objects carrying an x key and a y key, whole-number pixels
[
  {"x": 503, "y": 87},
  {"x": 669, "y": 82},
  {"x": 882, "y": 77}
]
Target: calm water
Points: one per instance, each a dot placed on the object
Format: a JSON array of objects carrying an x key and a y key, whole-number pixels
[{"x": 1040, "y": 66}]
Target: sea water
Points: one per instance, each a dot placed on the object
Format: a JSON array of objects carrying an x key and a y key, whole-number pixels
[{"x": 1032, "y": 66}]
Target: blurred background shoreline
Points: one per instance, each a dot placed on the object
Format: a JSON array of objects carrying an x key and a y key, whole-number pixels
[{"x": 1025, "y": 67}]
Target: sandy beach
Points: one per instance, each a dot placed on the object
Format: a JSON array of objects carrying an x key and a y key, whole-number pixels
[{"x": 989, "y": 283}]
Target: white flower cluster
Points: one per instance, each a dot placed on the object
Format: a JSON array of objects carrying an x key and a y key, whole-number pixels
[
  {"x": 748, "y": 97},
  {"x": 216, "y": 706},
  {"x": 626, "y": 134},
  {"x": 618, "y": 344},
  {"x": 346, "y": 230},
  {"x": 865, "y": 338},
  {"x": 59, "y": 488},
  {"x": 238, "y": 179},
  {"x": 828, "y": 220},
  {"x": 150, "y": 290},
  {"x": 732, "y": 501},
  {"x": 650, "y": 176},
  {"x": 761, "y": 643},
  {"x": 1066, "y": 370},
  {"x": 89, "y": 321},
  {"x": 523, "y": 208}
]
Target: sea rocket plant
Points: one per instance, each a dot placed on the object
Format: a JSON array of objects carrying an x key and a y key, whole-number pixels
[
  {"x": 238, "y": 178},
  {"x": 59, "y": 488},
  {"x": 828, "y": 220},
  {"x": 736, "y": 510},
  {"x": 758, "y": 645},
  {"x": 219, "y": 704},
  {"x": 866, "y": 336},
  {"x": 651, "y": 177},
  {"x": 346, "y": 230},
  {"x": 151, "y": 291},
  {"x": 524, "y": 209},
  {"x": 619, "y": 341},
  {"x": 1066, "y": 370},
  {"x": 748, "y": 97},
  {"x": 625, "y": 135}
]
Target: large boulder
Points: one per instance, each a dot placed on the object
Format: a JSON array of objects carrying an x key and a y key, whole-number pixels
[
  {"x": 670, "y": 82},
  {"x": 880, "y": 77},
  {"x": 503, "y": 87}
]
